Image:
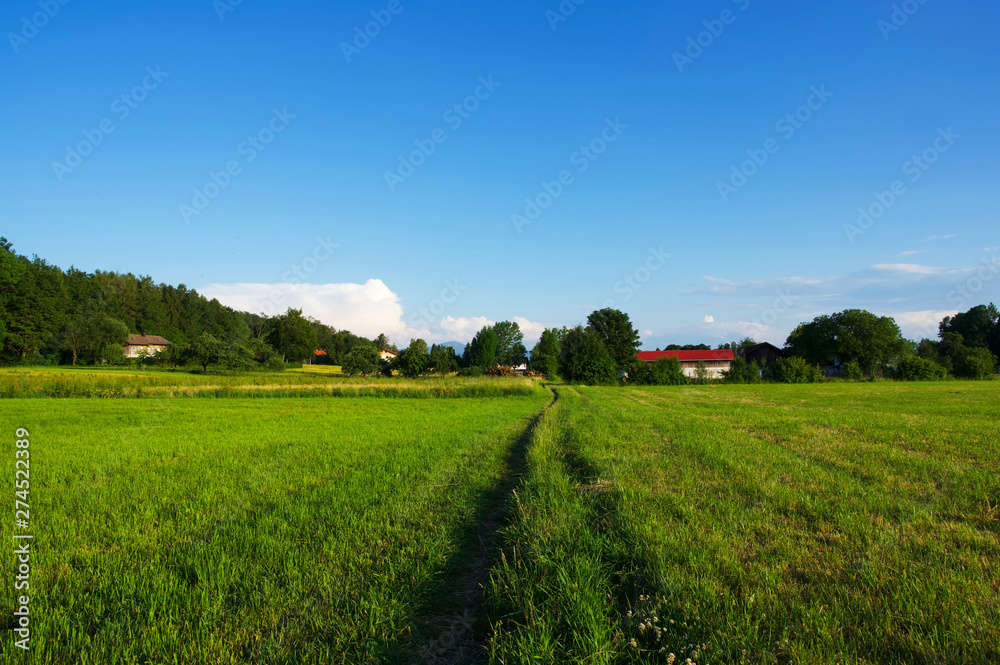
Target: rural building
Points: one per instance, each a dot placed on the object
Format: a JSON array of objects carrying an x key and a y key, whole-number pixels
[
  {"x": 152, "y": 344},
  {"x": 386, "y": 354},
  {"x": 763, "y": 354},
  {"x": 716, "y": 362}
]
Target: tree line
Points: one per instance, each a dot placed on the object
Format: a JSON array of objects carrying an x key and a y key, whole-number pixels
[
  {"x": 51, "y": 316},
  {"x": 72, "y": 317}
]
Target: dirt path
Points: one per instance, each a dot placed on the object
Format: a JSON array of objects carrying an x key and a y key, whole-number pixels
[{"x": 457, "y": 637}]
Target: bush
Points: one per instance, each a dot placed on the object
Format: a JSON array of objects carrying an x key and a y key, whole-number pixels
[
  {"x": 919, "y": 369},
  {"x": 667, "y": 372},
  {"x": 742, "y": 372},
  {"x": 474, "y": 370},
  {"x": 793, "y": 370},
  {"x": 274, "y": 364},
  {"x": 976, "y": 364},
  {"x": 852, "y": 372}
]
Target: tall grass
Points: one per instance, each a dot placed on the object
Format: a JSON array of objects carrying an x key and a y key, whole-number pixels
[{"x": 89, "y": 384}]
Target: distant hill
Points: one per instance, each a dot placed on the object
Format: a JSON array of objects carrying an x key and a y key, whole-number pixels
[{"x": 458, "y": 346}]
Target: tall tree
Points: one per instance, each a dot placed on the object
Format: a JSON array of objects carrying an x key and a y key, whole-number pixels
[
  {"x": 484, "y": 349},
  {"x": 584, "y": 358},
  {"x": 292, "y": 336},
  {"x": 510, "y": 343},
  {"x": 545, "y": 355},
  {"x": 618, "y": 334},
  {"x": 443, "y": 360},
  {"x": 414, "y": 359},
  {"x": 978, "y": 327}
]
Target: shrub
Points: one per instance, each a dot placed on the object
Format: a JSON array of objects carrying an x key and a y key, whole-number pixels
[
  {"x": 474, "y": 370},
  {"x": 667, "y": 372},
  {"x": 793, "y": 370},
  {"x": 852, "y": 371},
  {"x": 742, "y": 372},
  {"x": 977, "y": 364},
  {"x": 919, "y": 369}
]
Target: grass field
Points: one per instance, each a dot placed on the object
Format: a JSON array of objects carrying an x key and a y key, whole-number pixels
[
  {"x": 227, "y": 531},
  {"x": 828, "y": 523},
  {"x": 777, "y": 524}
]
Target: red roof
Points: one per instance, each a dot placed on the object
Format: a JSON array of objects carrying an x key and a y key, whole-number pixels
[
  {"x": 320, "y": 352},
  {"x": 686, "y": 356}
]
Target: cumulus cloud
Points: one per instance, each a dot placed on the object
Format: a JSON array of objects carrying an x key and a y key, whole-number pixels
[
  {"x": 709, "y": 319},
  {"x": 464, "y": 328},
  {"x": 365, "y": 309},
  {"x": 531, "y": 329}
]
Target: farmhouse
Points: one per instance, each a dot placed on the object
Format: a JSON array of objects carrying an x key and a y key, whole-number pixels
[
  {"x": 716, "y": 362},
  {"x": 151, "y": 344},
  {"x": 763, "y": 354},
  {"x": 386, "y": 354}
]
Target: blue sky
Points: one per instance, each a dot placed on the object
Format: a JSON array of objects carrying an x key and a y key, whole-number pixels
[{"x": 249, "y": 151}]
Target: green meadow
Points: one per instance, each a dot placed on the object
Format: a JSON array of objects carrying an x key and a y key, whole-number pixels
[{"x": 505, "y": 521}]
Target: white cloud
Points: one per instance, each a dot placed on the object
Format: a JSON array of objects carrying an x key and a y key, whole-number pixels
[
  {"x": 365, "y": 309},
  {"x": 911, "y": 269},
  {"x": 709, "y": 319},
  {"x": 917, "y": 325},
  {"x": 933, "y": 238},
  {"x": 463, "y": 329},
  {"x": 532, "y": 330},
  {"x": 912, "y": 252}
]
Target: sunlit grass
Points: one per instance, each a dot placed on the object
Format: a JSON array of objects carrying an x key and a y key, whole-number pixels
[
  {"x": 231, "y": 531},
  {"x": 758, "y": 524}
]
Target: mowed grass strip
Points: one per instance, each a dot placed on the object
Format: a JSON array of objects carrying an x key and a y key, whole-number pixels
[
  {"x": 232, "y": 531},
  {"x": 759, "y": 524}
]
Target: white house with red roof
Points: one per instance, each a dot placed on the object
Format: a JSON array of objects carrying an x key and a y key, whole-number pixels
[{"x": 716, "y": 362}]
